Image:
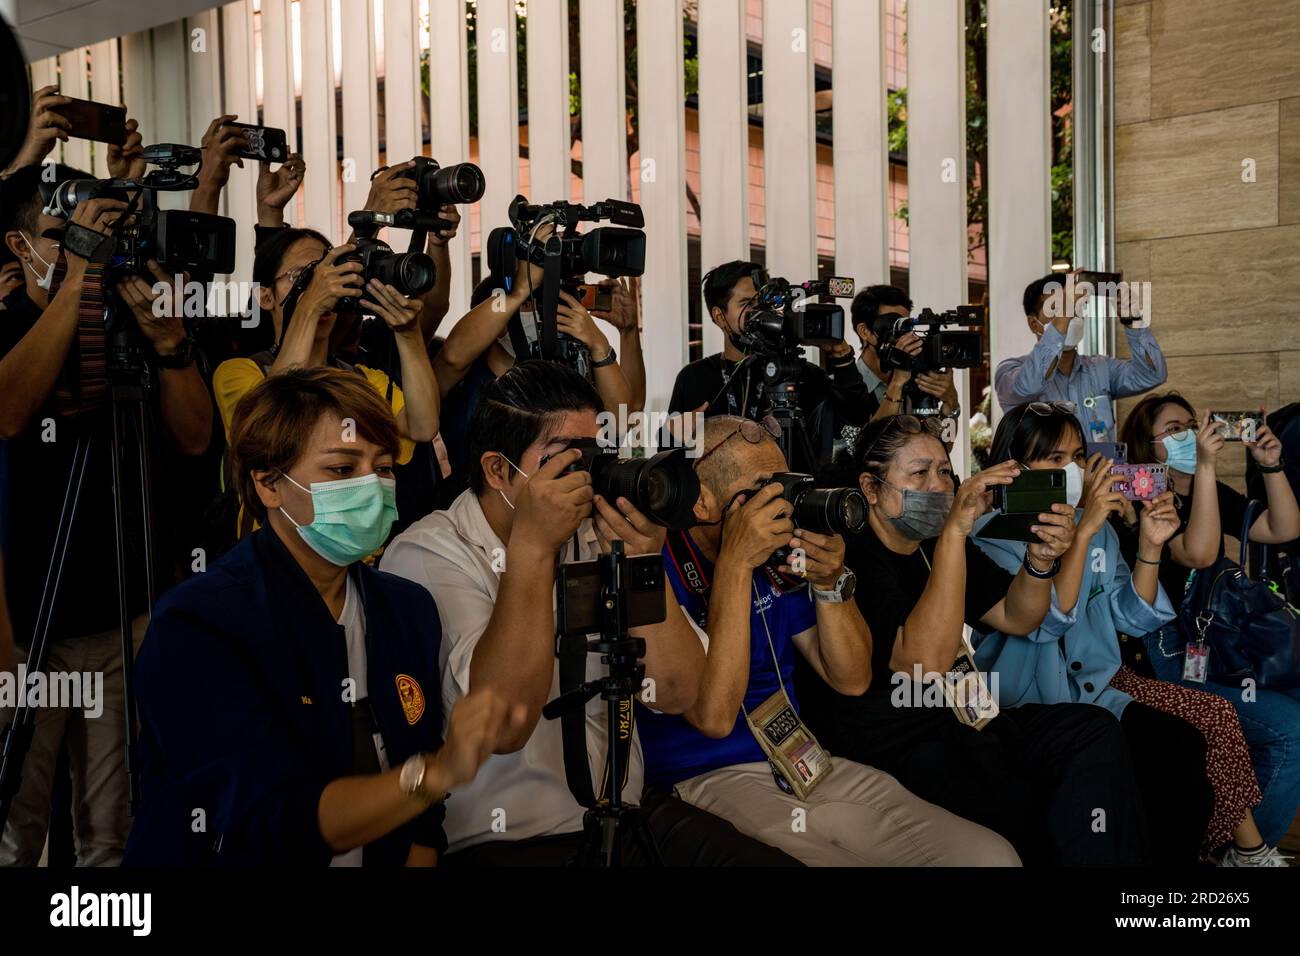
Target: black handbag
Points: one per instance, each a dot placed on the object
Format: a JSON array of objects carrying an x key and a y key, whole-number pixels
[{"x": 1252, "y": 632}]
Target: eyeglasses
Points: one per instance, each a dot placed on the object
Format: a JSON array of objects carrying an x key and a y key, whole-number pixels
[
  {"x": 1177, "y": 428},
  {"x": 1048, "y": 408},
  {"x": 752, "y": 431},
  {"x": 293, "y": 275}
]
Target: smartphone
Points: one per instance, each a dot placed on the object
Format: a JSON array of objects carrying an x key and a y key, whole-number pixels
[
  {"x": 95, "y": 121},
  {"x": 1140, "y": 482},
  {"x": 578, "y": 594},
  {"x": 1032, "y": 492},
  {"x": 1238, "y": 426},
  {"x": 596, "y": 298},
  {"x": 265, "y": 143},
  {"x": 1116, "y": 451}
]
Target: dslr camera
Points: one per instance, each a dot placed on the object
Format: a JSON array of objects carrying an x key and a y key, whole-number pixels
[
  {"x": 411, "y": 273},
  {"x": 566, "y": 257},
  {"x": 663, "y": 487},
  {"x": 839, "y": 511}
]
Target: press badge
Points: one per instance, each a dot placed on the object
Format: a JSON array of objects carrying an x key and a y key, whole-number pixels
[
  {"x": 792, "y": 750},
  {"x": 1196, "y": 662},
  {"x": 967, "y": 693}
]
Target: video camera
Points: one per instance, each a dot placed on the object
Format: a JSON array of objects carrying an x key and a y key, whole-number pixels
[
  {"x": 566, "y": 257},
  {"x": 948, "y": 339},
  {"x": 178, "y": 240},
  {"x": 663, "y": 487},
  {"x": 783, "y": 317}
]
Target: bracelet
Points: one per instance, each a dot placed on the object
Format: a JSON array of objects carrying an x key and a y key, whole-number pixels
[
  {"x": 1142, "y": 560},
  {"x": 1272, "y": 469},
  {"x": 1041, "y": 575}
]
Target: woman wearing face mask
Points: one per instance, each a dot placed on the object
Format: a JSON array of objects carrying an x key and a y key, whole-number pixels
[
  {"x": 1165, "y": 428},
  {"x": 291, "y": 692},
  {"x": 1074, "y": 654},
  {"x": 1032, "y": 772}
]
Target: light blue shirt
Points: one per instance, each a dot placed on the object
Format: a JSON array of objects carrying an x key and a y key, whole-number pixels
[
  {"x": 1093, "y": 384},
  {"x": 1071, "y": 657},
  {"x": 876, "y": 385}
]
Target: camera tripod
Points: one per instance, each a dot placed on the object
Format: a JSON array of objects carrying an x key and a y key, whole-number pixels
[
  {"x": 130, "y": 382},
  {"x": 781, "y": 398},
  {"x": 608, "y": 820}
]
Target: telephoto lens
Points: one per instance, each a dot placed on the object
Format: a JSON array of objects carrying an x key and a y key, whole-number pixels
[
  {"x": 664, "y": 487},
  {"x": 411, "y": 273},
  {"x": 831, "y": 511},
  {"x": 446, "y": 185}
]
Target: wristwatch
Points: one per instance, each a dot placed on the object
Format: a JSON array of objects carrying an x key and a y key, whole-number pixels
[
  {"x": 610, "y": 358},
  {"x": 845, "y": 584},
  {"x": 1041, "y": 575},
  {"x": 411, "y": 779},
  {"x": 183, "y": 357}
]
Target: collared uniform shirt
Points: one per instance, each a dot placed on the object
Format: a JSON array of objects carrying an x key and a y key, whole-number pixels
[
  {"x": 1093, "y": 384},
  {"x": 457, "y": 556}
]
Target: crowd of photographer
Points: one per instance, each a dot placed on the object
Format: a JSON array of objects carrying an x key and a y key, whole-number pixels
[{"x": 405, "y": 606}]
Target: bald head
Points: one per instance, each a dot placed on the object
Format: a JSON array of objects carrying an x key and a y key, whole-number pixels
[{"x": 736, "y": 462}]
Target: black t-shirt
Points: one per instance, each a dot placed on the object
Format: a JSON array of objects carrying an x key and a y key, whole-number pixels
[
  {"x": 704, "y": 379},
  {"x": 1173, "y": 576},
  {"x": 888, "y": 587},
  {"x": 34, "y": 472}
]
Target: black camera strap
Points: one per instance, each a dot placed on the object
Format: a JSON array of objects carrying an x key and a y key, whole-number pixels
[
  {"x": 572, "y": 652},
  {"x": 551, "y": 280}
]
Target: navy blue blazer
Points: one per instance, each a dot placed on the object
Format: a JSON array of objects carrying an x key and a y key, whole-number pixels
[{"x": 240, "y": 685}]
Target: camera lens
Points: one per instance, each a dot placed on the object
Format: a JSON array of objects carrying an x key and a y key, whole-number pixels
[
  {"x": 831, "y": 511},
  {"x": 664, "y": 488},
  {"x": 411, "y": 273},
  {"x": 461, "y": 183}
]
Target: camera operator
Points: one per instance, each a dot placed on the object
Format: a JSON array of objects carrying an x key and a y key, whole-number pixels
[
  {"x": 490, "y": 563},
  {"x": 828, "y": 398},
  {"x": 52, "y": 391},
  {"x": 887, "y": 384},
  {"x": 292, "y": 615},
  {"x": 479, "y": 350},
  {"x": 749, "y": 627},
  {"x": 1055, "y": 371},
  {"x": 310, "y": 331}
]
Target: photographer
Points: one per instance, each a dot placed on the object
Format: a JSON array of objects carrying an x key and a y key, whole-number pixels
[
  {"x": 1034, "y": 774},
  {"x": 1165, "y": 428},
  {"x": 1055, "y": 371},
  {"x": 300, "y": 282},
  {"x": 53, "y": 391},
  {"x": 480, "y": 349},
  {"x": 288, "y": 770},
  {"x": 47, "y": 126},
  {"x": 829, "y": 398},
  {"x": 490, "y": 563},
  {"x": 886, "y": 384},
  {"x": 750, "y": 625}
]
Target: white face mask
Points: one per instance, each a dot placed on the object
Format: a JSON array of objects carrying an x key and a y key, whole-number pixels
[
  {"x": 1073, "y": 484},
  {"x": 528, "y": 321},
  {"x": 516, "y": 468},
  {"x": 42, "y": 281},
  {"x": 1074, "y": 334}
]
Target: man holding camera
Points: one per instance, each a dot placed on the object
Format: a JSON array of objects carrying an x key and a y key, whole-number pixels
[
  {"x": 875, "y": 309},
  {"x": 1055, "y": 371},
  {"x": 490, "y": 563},
  {"x": 720, "y": 384},
  {"x": 741, "y": 751},
  {"x": 54, "y": 392}
]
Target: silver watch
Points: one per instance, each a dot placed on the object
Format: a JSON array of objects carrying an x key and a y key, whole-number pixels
[
  {"x": 843, "y": 590},
  {"x": 412, "y": 776}
]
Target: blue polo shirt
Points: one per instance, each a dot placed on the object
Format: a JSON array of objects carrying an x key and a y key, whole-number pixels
[{"x": 673, "y": 749}]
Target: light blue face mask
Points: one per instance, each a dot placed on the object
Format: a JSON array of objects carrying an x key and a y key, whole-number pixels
[
  {"x": 1180, "y": 452},
  {"x": 351, "y": 517}
]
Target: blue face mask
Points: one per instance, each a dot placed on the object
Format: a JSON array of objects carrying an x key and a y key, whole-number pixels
[
  {"x": 351, "y": 518},
  {"x": 1180, "y": 452}
]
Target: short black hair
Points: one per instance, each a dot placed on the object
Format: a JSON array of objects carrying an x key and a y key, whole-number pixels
[
  {"x": 274, "y": 247},
  {"x": 1035, "y": 291},
  {"x": 522, "y": 406},
  {"x": 21, "y": 199},
  {"x": 720, "y": 280},
  {"x": 867, "y": 303},
  {"x": 1026, "y": 435}
]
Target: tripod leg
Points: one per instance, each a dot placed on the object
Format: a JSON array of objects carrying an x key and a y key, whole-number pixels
[
  {"x": 18, "y": 737},
  {"x": 123, "y": 608}
]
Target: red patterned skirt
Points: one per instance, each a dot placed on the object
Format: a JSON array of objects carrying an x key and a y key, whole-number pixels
[{"x": 1227, "y": 758}]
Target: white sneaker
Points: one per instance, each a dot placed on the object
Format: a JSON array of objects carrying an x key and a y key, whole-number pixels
[{"x": 1270, "y": 857}]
